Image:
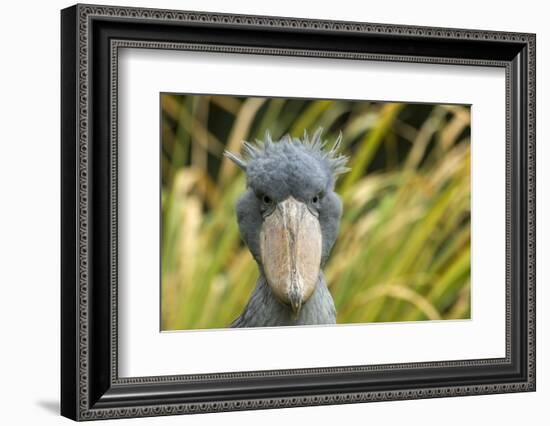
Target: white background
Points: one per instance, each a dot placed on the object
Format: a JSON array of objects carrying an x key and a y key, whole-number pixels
[
  {"x": 146, "y": 352},
  {"x": 29, "y": 225}
]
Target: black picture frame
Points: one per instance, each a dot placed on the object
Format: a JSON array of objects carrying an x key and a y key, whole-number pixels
[{"x": 90, "y": 38}]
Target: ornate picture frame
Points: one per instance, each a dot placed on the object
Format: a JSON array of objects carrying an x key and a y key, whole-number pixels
[{"x": 91, "y": 37}]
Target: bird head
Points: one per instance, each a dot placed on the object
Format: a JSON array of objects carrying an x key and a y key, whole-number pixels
[{"x": 289, "y": 214}]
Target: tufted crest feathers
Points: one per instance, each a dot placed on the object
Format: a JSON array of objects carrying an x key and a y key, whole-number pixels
[{"x": 316, "y": 146}]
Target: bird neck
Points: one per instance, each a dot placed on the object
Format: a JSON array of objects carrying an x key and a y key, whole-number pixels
[{"x": 265, "y": 310}]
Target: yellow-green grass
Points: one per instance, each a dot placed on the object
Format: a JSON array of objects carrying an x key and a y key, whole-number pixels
[{"x": 403, "y": 250}]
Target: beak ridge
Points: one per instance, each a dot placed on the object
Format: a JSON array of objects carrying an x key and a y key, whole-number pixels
[{"x": 290, "y": 244}]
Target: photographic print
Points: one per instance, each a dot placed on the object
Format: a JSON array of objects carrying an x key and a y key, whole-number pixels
[
  {"x": 263, "y": 183},
  {"x": 289, "y": 211}
]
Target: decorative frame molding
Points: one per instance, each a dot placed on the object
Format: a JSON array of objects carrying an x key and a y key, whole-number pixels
[{"x": 91, "y": 37}]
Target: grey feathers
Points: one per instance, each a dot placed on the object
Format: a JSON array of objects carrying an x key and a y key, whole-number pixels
[
  {"x": 262, "y": 150},
  {"x": 263, "y": 310},
  {"x": 305, "y": 168},
  {"x": 237, "y": 160}
]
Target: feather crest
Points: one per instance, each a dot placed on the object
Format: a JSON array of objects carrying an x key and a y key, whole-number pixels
[{"x": 315, "y": 145}]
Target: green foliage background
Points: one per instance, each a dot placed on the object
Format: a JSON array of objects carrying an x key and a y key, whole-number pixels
[{"x": 403, "y": 251}]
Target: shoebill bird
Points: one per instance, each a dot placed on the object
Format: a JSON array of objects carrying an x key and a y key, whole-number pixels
[{"x": 288, "y": 217}]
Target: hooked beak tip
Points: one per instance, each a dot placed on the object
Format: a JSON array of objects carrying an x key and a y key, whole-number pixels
[{"x": 295, "y": 303}]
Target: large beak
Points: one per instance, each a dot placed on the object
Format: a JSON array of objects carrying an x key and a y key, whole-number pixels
[{"x": 290, "y": 244}]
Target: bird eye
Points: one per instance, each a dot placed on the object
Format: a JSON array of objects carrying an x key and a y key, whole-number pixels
[
  {"x": 266, "y": 199},
  {"x": 317, "y": 198}
]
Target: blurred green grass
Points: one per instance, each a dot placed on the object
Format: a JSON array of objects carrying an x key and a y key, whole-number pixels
[{"x": 403, "y": 251}]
